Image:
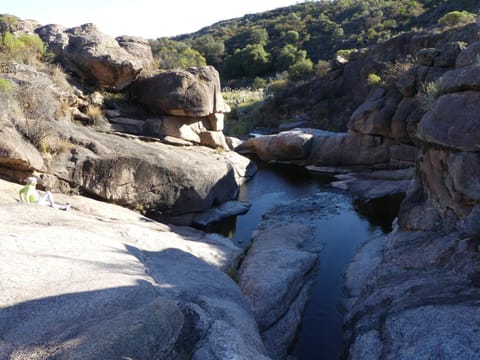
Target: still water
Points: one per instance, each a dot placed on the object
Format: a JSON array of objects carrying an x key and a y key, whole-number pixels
[{"x": 320, "y": 336}]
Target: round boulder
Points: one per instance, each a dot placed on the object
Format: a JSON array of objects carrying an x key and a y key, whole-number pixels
[
  {"x": 98, "y": 58},
  {"x": 194, "y": 93}
]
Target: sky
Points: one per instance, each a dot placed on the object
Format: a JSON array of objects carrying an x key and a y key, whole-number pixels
[{"x": 145, "y": 18}]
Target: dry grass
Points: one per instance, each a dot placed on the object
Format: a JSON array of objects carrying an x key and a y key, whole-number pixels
[
  {"x": 63, "y": 110},
  {"x": 59, "y": 78},
  {"x": 96, "y": 116},
  {"x": 428, "y": 95}
]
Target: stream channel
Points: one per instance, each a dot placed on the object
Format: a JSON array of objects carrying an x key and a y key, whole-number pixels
[{"x": 320, "y": 335}]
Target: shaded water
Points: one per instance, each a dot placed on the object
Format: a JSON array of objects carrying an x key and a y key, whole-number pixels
[{"x": 341, "y": 233}]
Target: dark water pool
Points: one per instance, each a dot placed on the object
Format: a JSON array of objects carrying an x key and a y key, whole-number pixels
[{"x": 320, "y": 336}]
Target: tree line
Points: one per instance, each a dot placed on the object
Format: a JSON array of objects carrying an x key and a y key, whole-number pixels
[{"x": 297, "y": 41}]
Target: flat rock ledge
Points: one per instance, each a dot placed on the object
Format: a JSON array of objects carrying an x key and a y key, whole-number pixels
[
  {"x": 103, "y": 282},
  {"x": 279, "y": 268},
  {"x": 218, "y": 213},
  {"x": 370, "y": 185},
  {"x": 414, "y": 295}
]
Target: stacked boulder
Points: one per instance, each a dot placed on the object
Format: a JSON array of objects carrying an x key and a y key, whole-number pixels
[
  {"x": 96, "y": 57},
  {"x": 189, "y": 104},
  {"x": 449, "y": 135},
  {"x": 147, "y": 175}
]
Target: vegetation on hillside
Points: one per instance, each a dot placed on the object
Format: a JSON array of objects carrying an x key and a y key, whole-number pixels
[
  {"x": 292, "y": 40},
  {"x": 284, "y": 49}
]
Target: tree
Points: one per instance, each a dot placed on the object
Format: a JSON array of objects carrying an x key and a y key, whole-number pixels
[
  {"x": 22, "y": 48},
  {"x": 258, "y": 36},
  {"x": 172, "y": 54},
  {"x": 291, "y": 37},
  {"x": 288, "y": 56},
  {"x": 300, "y": 70},
  {"x": 212, "y": 49},
  {"x": 251, "y": 61}
]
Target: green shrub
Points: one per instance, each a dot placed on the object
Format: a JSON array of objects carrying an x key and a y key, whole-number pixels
[
  {"x": 259, "y": 83},
  {"x": 374, "y": 79},
  {"x": 456, "y": 18},
  {"x": 322, "y": 67},
  {"x": 345, "y": 53},
  {"x": 5, "y": 85},
  {"x": 276, "y": 86},
  {"x": 23, "y": 48},
  {"x": 300, "y": 70}
]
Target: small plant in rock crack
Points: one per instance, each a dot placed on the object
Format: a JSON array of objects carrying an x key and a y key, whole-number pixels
[{"x": 427, "y": 95}]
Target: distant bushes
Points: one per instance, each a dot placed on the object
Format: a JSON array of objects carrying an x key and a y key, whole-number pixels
[
  {"x": 244, "y": 104},
  {"x": 456, "y": 18},
  {"x": 170, "y": 54},
  {"x": 300, "y": 70}
]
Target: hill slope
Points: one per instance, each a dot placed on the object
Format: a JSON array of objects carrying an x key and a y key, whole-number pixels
[{"x": 269, "y": 42}]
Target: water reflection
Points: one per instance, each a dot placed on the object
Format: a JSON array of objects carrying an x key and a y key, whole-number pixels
[
  {"x": 320, "y": 336},
  {"x": 273, "y": 185}
]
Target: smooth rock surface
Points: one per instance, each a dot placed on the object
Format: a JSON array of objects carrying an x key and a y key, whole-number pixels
[
  {"x": 97, "y": 57},
  {"x": 101, "y": 281},
  {"x": 287, "y": 145},
  {"x": 195, "y": 92},
  {"x": 408, "y": 301}
]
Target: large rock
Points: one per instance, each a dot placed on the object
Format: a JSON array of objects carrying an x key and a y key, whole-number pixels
[
  {"x": 462, "y": 79},
  {"x": 374, "y": 116},
  {"x": 391, "y": 311},
  {"x": 182, "y": 127},
  {"x": 274, "y": 278},
  {"x": 137, "y": 47},
  {"x": 150, "y": 176},
  {"x": 92, "y": 55},
  {"x": 342, "y": 149},
  {"x": 54, "y": 36},
  {"x": 153, "y": 176},
  {"x": 17, "y": 26},
  {"x": 433, "y": 253},
  {"x": 375, "y": 184},
  {"x": 285, "y": 146},
  {"x": 453, "y": 122},
  {"x": 451, "y": 179},
  {"x": 194, "y": 92},
  {"x": 196, "y": 130},
  {"x": 27, "y": 111},
  {"x": 468, "y": 56},
  {"x": 16, "y": 155},
  {"x": 322, "y": 148},
  {"x": 100, "y": 281},
  {"x": 406, "y": 118},
  {"x": 146, "y": 175},
  {"x": 412, "y": 81},
  {"x": 223, "y": 316},
  {"x": 448, "y": 54}
]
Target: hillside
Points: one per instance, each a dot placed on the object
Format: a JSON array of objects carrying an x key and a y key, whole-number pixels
[
  {"x": 296, "y": 55},
  {"x": 267, "y": 43}
]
